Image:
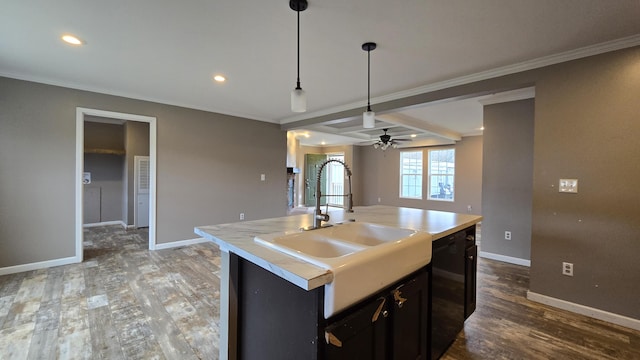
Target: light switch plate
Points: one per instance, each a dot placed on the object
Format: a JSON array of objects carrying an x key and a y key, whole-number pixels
[{"x": 568, "y": 186}]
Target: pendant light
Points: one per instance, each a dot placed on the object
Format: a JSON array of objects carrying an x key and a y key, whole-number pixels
[
  {"x": 298, "y": 96},
  {"x": 368, "y": 117}
]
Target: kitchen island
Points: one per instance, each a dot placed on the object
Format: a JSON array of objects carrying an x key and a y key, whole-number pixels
[{"x": 302, "y": 279}]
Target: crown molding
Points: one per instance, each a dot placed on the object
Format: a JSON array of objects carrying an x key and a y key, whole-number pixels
[{"x": 128, "y": 95}]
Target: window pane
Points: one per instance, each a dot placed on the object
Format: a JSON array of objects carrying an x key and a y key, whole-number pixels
[
  {"x": 411, "y": 174},
  {"x": 442, "y": 169}
]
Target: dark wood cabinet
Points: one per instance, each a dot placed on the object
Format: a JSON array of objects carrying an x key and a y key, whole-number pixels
[
  {"x": 391, "y": 325},
  {"x": 360, "y": 335}
]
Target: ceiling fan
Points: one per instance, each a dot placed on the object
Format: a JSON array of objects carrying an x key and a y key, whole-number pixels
[{"x": 386, "y": 141}]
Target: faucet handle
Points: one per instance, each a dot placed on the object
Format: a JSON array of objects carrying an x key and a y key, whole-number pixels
[{"x": 323, "y": 217}]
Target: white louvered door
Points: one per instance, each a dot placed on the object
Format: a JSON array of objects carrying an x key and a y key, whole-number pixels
[{"x": 141, "y": 186}]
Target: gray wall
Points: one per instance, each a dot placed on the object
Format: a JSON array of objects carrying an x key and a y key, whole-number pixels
[
  {"x": 106, "y": 180},
  {"x": 209, "y": 168},
  {"x": 586, "y": 127},
  {"x": 507, "y": 178},
  {"x": 136, "y": 139},
  {"x": 382, "y": 178}
]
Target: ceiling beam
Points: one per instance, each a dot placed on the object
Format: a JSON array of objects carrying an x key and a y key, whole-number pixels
[
  {"x": 342, "y": 132},
  {"x": 420, "y": 125}
]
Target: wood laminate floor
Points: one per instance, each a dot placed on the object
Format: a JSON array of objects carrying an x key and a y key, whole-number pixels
[{"x": 125, "y": 302}]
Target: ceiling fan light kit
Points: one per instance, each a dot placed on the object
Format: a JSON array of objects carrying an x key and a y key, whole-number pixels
[
  {"x": 298, "y": 96},
  {"x": 369, "y": 117},
  {"x": 386, "y": 141}
]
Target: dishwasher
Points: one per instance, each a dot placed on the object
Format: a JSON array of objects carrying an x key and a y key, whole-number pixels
[{"x": 452, "y": 287}]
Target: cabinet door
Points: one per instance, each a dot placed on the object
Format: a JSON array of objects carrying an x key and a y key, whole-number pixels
[
  {"x": 361, "y": 335},
  {"x": 409, "y": 317}
]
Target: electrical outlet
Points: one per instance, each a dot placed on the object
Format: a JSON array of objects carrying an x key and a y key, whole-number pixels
[
  {"x": 379, "y": 199},
  {"x": 507, "y": 235},
  {"x": 263, "y": 177},
  {"x": 469, "y": 208},
  {"x": 567, "y": 269},
  {"x": 241, "y": 216}
]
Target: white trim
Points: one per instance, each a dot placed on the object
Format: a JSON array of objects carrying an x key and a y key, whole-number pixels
[
  {"x": 583, "y": 52},
  {"x": 38, "y": 265},
  {"x": 505, "y": 258},
  {"x": 175, "y": 244},
  {"x": 130, "y": 95},
  {"x": 508, "y": 96},
  {"x": 80, "y": 114},
  {"x": 106, "y": 223},
  {"x": 585, "y": 310}
]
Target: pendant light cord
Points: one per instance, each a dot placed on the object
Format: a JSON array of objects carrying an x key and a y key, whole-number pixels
[
  {"x": 368, "y": 80},
  {"x": 298, "y": 78}
]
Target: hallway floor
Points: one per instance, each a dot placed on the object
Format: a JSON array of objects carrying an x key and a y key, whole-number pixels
[{"x": 125, "y": 302}]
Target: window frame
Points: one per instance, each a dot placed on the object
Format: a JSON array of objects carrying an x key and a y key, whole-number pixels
[
  {"x": 419, "y": 176},
  {"x": 430, "y": 176}
]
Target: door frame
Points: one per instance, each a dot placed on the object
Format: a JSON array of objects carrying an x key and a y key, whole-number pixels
[{"x": 79, "y": 193}]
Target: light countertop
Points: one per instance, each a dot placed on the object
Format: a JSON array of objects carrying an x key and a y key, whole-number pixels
[{"x": 238, "y": 237}]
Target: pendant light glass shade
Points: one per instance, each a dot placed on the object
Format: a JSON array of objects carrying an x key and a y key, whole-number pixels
[
  {"x": 298, "y": 100},
  {"x": 368, "y": 119}
]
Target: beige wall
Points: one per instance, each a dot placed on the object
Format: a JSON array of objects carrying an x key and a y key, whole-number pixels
[
  {"x": 586, "y": 127},
  {"x": 209, "y": 168},
  {"x": 507, "y": 178},
  {"x": 381, "y": 170}
]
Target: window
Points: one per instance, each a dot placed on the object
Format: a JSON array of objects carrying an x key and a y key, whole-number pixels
[
  {"x": 442, "y": 168},
  {"x": 411, "y": 174}
]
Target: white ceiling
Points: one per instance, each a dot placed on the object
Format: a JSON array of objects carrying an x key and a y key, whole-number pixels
[{"x": 167, "y": 51}]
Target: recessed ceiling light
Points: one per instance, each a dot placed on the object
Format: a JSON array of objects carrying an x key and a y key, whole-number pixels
[
  {"x": 413, "y": 135},
  {"x": 70, "y": 39},
  {"x": 219, "y": 78},
  {"x": 323, "y": 143},
  {"x": 482, "y": 128}
]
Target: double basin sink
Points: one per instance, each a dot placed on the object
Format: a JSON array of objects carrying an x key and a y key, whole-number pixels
[{"x": 363, "y": 257}]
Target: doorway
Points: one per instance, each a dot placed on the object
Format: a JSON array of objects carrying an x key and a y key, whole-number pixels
[
  {"x": 331, "y": 182},
  {"x": 312, "y": 164},
  {"x": 335, "y": 181},
  {"x": 81, "y": 113}
]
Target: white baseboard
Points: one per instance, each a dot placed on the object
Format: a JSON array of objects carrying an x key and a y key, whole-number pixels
[
  {"x": 585, "y": 310},
  {"x": 504, "y": 258},
  {"x": 38, "y": 265},
  {"x": 105, "y": 223},
  {"x": 174, "y": 244},
  {"x": 75, "y": 260}
]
